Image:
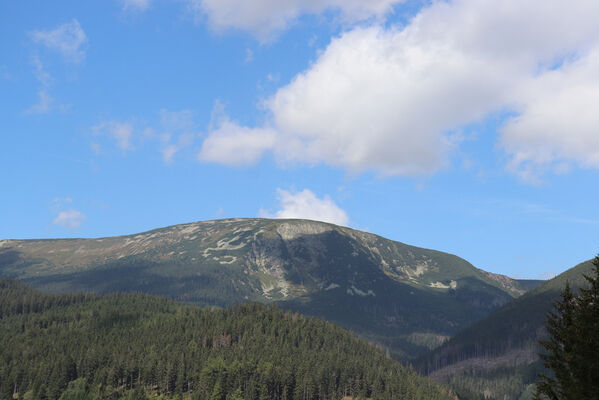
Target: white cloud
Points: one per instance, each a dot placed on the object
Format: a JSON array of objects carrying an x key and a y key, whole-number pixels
[
  {"x": 387, "y": 99},
  {"x": 179, "y": 124},
  {"x": 44, "y": 104},
  {"x": 184, "y": 140},
  {"x": 176, "y": 120},
  {"x": 249, "y": 56},
  {"x": 136, "y": 5},
  {"x": 174, "y": 132},
  {"x": 234, "y": 145},
  {"x": 558, "y": 122},
  {"x": 40, "y": 73},
  {"x": 169, "y": 152},
  {"x": 70, "y": 219},
  {"x": 265, "y": 18},
  {"x": 68, "y": 39},
  {"x": 306, "y": 205},
  {"x": 121, "y": 132}
]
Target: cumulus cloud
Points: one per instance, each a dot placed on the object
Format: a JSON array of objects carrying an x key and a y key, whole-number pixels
[
  {"x": 306, "y": 205},
  {"x": 68, "y": 39},
  {"x": 264, "y": 18},
  {"x": 121, "y": 132},
  {"x": 70, "y": 219},
  {"x": 234, "y": 145},
  {"x": 558, "y": 123},
  {"x": 388, "y": 99}
]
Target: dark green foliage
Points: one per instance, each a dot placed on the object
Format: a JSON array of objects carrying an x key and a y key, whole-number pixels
[
  {"x": 77, "y": 390},
  {"x": 572, "y": 349},
  {"x": 511, "y": 331},
  {"x": 137, "y": 346},
  {"x": 496, "y": 384}
]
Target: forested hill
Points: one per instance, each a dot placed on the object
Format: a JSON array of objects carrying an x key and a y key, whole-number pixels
[
  {"x": 406, "y": 298},
  {"x": 499, "y": 355},
  {"x": 138, "y": 346}
]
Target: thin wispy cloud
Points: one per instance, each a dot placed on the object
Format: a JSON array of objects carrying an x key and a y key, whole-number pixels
[
  {"x": 120, "y": 132},
  {"x": 520, "y": 209},
  {"x": 174, "y": 132},
  {"x": 67, "y": 39},
  {"x": 46, "y": 103},
  {"x": 136, "y": 5}
]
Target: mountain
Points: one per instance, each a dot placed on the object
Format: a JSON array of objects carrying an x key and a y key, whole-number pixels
[
  {"x": 405, "y": 298},
  {"x": 498, "y": 356},
  {"x": 86, "y": 346}
]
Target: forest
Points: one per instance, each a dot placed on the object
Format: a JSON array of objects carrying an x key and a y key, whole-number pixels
[{"x": 137, "y": 346}]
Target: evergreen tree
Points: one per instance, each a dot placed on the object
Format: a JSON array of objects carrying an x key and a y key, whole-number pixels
[
  {"x": 131, "y": 346},
  {"x": 572, "y": 350}
]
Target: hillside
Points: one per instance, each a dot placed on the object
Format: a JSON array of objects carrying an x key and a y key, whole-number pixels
[
  {"x": 499, "y": 353},
  {"x": 135, "y": 346},
  {"x": 406, "y": 298}
]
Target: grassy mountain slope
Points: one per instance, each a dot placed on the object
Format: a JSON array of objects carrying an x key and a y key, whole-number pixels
[
  {"x": 135, "y": 346},
  {"x": 499, "y": 353},
  {"x": 406, "y": 298}
]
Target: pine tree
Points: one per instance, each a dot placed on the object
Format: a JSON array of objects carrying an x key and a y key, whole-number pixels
[{"x": 572, "y": 350}]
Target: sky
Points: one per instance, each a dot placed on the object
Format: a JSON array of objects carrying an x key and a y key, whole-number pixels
[{"x": 465, "y": 126}]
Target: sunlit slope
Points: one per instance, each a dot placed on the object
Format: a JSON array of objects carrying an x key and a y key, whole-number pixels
[{"x": 407, "y": 298}]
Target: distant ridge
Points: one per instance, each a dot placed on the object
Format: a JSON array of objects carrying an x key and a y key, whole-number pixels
[{"x": 499, "y": 354}]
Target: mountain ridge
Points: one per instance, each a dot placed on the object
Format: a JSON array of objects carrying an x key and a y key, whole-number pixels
[{"x": 404, "y": 297}]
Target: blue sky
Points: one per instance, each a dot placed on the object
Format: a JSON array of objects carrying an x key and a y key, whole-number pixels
[{"x": 463, "y": 126}]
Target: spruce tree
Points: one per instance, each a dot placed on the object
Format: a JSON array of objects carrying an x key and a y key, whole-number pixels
[{"x": 572, "y": 349}]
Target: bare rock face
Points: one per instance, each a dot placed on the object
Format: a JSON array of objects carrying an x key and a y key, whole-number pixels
[{"x": 291, "y": 230}]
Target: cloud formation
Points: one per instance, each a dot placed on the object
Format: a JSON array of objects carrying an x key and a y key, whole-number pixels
[
  {"x": 67, "y": 39},
  {"x": 234, "y": 145},
  {"x": 306, "y": 205},
  {"x": 121, "y": 132},
  {"x": 265, "y": 18},
  {"x": 136, "y": 5},
  {"x": 70, "y": 219},
  {"x": 388, "y": 99},
  {"x": 46, "y": 102},
  {"x": 558, "y": 123}
]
